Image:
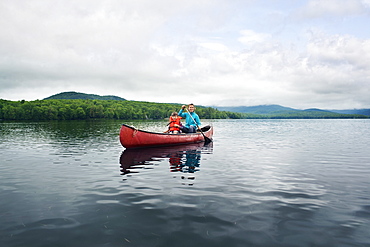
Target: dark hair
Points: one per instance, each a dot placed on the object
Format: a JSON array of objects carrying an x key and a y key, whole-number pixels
[{"x": 174, "y": 114}]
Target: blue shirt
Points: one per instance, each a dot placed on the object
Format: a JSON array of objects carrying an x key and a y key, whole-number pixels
[{"x": 189, "y": 121}]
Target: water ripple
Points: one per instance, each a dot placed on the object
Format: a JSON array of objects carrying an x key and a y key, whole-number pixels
[{"x": 261, "y": 183}]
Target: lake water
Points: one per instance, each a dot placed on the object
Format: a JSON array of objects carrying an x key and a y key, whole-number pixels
[{"x": 260, "y": 183}]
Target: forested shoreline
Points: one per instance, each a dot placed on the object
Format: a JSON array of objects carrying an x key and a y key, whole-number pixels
[
  {"x": 81, "y": 109},
  {"x": 78, "y": 109}
]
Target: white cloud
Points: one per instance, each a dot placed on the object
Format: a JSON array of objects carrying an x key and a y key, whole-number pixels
[
  {"x": 214, "y": 46},
  {"x": 322, "y": 9},
  {"x": 250, "y": 37},
  {"x": 182, "y": 51}
]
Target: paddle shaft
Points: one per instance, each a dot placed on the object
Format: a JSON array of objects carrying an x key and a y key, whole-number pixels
[{"x": 206, "y": 139}]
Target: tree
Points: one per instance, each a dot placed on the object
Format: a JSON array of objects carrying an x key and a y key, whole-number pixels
[{"x": 80, "y": 113}]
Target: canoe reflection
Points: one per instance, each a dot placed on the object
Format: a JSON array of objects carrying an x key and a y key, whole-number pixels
[{"x": 182, "y": 158}]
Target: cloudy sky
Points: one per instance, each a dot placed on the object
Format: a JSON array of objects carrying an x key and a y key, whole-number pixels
[{"x": 296, "y": 53}]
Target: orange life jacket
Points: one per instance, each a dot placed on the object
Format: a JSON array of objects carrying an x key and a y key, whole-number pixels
[{"x": 173, "y": 122}]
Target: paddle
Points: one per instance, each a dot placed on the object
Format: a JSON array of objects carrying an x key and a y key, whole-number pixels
[{"x": 206, "y": 139}]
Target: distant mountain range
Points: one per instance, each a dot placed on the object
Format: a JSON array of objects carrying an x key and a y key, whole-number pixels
[
  {"x": 278, "y": 110},
  {"x": 267, "y": 110},
  {"x": 75, "y": 95},
  {"x": 365, "y": 112}
]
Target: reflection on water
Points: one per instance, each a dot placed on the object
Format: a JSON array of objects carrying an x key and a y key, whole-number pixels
[
  {"x": 187, "y": 161},
  {"x": 181, "y": 158},
  {"x": 266, "y": 183}
]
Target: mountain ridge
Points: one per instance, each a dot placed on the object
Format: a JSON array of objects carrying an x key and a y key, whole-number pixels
[
  {"x": 274, "y": 109},
  {"x": 365, "y": 112},
  {"x": 268, "y": 110},
  {"x": 77, "y": 95}
]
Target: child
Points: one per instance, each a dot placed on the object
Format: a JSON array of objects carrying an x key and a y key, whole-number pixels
[{"x": 175, "y": 123}]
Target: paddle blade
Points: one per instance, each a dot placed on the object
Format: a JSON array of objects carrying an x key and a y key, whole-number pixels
[{"x": 207, "y": 140}]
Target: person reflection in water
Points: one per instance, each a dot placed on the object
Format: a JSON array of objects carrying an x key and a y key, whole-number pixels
[
  {"x": 188, "y": 163},
  {"x": 182, "y": 159}
]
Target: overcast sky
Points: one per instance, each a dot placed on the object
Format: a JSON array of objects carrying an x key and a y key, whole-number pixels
[{"x": 296, "y": 53}]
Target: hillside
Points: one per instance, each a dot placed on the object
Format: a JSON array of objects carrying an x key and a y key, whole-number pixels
[
  {"x": 82, "y": 109},
  {"x": 277, "y": 111},
  {"x": 76, "y": 95},
  {"x": 365, "y": 112},
  {"x": 260, "y": 109},
  {"x": 74, "y": 105}
]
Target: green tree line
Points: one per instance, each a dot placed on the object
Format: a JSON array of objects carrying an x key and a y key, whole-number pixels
[
  {"x": 91, "y": 109},
  {"x": 80, "y": 109}
]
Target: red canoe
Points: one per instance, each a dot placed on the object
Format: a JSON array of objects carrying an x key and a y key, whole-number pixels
[{"x": 130, "y": 137}]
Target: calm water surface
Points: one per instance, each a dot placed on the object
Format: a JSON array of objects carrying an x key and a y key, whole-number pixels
[{"x": 260, "y": 183}]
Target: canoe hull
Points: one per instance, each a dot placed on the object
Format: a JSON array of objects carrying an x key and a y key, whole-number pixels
[{"x": 134, "y": 138}]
